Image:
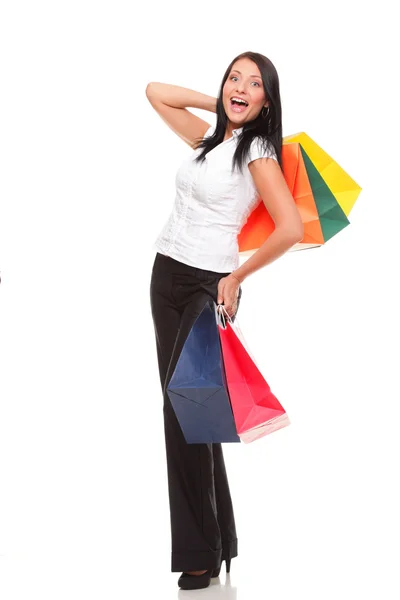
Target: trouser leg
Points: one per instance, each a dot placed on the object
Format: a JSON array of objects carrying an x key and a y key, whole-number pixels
[
  {"x": 202, "y": 522},
  {"x": 225, "y": 514},
  {"x": 196, "y": 538}
]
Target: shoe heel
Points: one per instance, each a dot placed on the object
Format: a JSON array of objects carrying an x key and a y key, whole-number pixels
[{"x": 217, "y": 571}]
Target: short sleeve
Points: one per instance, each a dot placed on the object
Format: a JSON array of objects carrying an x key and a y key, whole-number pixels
[
  {"x": 257, "y": 151},
  {"x": 209, "y": 131}
]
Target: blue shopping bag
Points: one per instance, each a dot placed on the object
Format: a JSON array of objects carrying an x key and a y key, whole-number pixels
[{"x": 197, "y": 389}]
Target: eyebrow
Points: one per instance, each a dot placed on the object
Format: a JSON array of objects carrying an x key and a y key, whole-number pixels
[{"x": 236, "y": 71}]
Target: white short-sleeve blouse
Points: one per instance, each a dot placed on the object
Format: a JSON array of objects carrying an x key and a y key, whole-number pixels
[{"x": 211, "y": 206}]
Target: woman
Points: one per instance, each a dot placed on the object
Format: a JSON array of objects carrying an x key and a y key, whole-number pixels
[{"x": 232, "y": 166}]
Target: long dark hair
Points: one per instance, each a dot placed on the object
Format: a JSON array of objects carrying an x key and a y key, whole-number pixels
[{"x": 268, "y": 129}]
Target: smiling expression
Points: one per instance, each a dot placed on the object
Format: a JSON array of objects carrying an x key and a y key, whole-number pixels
[{"x": 243, "y": 82}]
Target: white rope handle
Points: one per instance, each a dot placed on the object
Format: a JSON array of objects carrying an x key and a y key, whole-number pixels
[{"x": 221, "y": 306}]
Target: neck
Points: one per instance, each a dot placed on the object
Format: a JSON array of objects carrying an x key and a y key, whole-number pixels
[{"x": 229, "y": 131}]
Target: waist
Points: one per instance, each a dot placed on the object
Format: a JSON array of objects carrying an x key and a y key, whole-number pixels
[{"x": 177, "y": 266}]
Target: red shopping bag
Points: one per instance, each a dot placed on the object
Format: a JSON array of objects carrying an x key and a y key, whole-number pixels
[{"x": 256, "y": 410}]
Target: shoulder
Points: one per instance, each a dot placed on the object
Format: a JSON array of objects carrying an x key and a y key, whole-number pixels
[
  {"x": 261, "y": 148},
  {"x": 209, "y": 131},
  {"x": 207, "y": 134},
  {"x": 264, "y": 173}
]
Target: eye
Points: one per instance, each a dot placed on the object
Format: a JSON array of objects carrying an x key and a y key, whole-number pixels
[{"x": 235, "y": 77}]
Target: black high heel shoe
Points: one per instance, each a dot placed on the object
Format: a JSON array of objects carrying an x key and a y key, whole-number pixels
[
  {"x": 216, "y": 572},
  {"x": 195, "y": 582}
]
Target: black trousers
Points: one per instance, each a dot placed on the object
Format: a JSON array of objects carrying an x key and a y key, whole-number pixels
[{"x": 202, "y": 521}]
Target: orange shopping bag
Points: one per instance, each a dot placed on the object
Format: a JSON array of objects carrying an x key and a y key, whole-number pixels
[{"x": 260, "y": 225}]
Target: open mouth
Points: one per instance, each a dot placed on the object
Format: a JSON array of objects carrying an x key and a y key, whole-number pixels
[{"x": 238, "y": 105}]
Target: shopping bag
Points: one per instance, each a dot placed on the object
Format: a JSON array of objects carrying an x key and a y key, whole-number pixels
[
  {"x": 343, "y": 187},
  {"x": 198, "y": 389},
  {"x": 323, "y": 192},
  {"x": 257, "y": 411},
  {"x": 260, "y": 224}
]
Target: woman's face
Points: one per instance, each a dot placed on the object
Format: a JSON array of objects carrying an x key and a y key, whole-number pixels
[{"x": 244, "y": 81}]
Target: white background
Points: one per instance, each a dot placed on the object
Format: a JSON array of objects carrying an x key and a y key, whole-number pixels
[{"x": 87, "y": 181}]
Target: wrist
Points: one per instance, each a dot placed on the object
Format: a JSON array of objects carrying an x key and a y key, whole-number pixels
[{"x": 237, "y": 278}]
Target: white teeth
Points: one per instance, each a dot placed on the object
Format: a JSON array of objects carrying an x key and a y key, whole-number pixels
[{"x": 240, "y": 101}]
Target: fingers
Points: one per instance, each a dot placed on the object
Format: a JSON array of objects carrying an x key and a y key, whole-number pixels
[
  {"x": 231, "y": 308},
  {"x": 220, "y": 297},
  {"x": 224, "y": 296}
]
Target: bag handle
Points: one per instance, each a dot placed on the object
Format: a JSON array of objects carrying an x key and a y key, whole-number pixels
[{"x": 221, "y": 306}]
